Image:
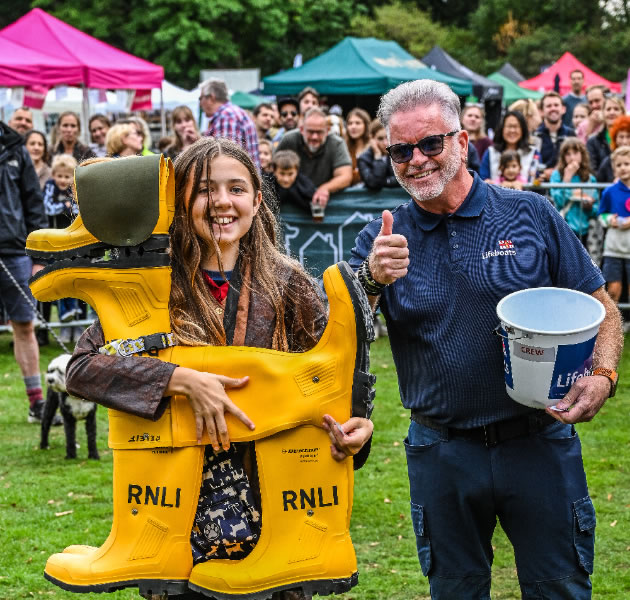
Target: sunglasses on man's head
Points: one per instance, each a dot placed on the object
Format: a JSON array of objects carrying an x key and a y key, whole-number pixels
[
  {"x": 431, "y": 145},
  {"x": 286, "y": 113}
]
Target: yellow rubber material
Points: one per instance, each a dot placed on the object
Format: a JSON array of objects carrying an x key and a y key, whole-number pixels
[
  {"x": 76, "y": 236},
  {"x": 300, "y": 387},
  {"x": 155, "y": 497},
  {"x": 59, "y": 240},
  {"x": 306, "y": 495},
  {"x": 306, "y": 507}
]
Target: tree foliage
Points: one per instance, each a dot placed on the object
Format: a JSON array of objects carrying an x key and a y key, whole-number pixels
[
  {"x": 406, "y": 24},
  {"x": 185, "y": 36}
]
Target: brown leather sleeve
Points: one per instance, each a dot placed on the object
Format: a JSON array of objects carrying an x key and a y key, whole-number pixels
[{"x": 133, "y": 384}]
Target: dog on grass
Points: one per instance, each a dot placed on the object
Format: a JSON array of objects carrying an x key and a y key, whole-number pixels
[{"x": 72, "y": 410}]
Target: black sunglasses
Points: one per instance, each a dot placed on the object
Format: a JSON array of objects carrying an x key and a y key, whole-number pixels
[
  {"x": 431, "y": 145},
  {"x": 285, "y": 113}
]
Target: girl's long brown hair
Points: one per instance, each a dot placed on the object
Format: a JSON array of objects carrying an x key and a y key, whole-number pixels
[
  {"x": 573, "y": 143},
  {"x": 193, "y": 316}
]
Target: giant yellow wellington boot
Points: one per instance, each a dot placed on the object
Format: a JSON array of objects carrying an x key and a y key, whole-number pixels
[
  {"x": 156, "y": 490},
  {"x": 300, "y": 387},
  {"x": 130, "y": 293},
  {"x": 155, "y": 498},
  {"x": 305, "y": 541}
]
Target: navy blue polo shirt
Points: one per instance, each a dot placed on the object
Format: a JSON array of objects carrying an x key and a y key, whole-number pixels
[{"x": 441, "y": 315}]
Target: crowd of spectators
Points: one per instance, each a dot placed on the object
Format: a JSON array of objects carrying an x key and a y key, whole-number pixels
[{"x": 307, "y": 151}]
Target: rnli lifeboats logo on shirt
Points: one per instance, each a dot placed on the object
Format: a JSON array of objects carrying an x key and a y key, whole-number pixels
[{"x": 505, "y": 248}]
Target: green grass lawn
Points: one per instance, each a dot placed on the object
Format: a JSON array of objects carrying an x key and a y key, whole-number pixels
[{"x": 47, "y": 502}]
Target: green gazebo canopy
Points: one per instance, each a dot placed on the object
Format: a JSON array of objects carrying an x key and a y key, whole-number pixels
[
  {"x": 512, "y": 91},
  {"x": 359, "y": 66}
]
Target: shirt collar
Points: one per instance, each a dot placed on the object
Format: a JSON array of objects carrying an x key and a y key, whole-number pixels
[{"x": 471, "y": 206}]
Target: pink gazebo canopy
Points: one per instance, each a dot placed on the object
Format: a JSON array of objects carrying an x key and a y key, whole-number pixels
[
  {"x": 84, "y": 59},
  {"x": 22, "y": 66},
  {"x": 563, "y": 66}
]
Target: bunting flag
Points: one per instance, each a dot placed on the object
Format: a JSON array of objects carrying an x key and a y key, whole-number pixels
[
  {"x": 141, "y": 100},
  {"x": 35, "y": 96}
]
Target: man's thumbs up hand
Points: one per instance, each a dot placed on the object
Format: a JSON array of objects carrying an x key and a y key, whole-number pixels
[{"x": 389, "y": 258}]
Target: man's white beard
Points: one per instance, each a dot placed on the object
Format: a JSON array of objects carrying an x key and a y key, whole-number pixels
[{"x": 422, "y": 191}]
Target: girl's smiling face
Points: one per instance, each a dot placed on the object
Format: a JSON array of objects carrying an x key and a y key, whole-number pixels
[{"x": 228, "y": 197}]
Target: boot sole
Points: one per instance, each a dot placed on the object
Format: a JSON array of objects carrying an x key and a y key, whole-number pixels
[
  {"x": 321, "y": 587},
  {"x": 145, "y": 586}
]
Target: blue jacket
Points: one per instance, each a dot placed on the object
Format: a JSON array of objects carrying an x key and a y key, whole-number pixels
[
  {"x": 21, "y": 201},
  {"x": 549, "y": 149}
]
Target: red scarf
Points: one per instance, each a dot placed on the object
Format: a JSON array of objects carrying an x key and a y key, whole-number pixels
[{"x": 218, "y": 291}]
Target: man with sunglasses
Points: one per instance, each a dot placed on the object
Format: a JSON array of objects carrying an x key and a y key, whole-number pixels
[
  {"x": 438, "y": 265},
  {"x": 288, "y": 109}
]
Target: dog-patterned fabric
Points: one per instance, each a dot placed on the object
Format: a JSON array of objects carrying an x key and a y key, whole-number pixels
[{"x": 227, "y": 524}]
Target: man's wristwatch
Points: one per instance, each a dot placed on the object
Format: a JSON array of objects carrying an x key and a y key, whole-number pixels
[{"x": 612, "y": 377}]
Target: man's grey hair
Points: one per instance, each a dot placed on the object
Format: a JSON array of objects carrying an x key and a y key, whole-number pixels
[
  {"x": 217, "y": 88},
  {"x": 422, "y": 92},
  {"x": 314, "y": 110}
]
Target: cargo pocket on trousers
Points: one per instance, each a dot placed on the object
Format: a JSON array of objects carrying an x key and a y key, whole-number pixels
[
  {"x": 584, "y": 532},
  {"x": 422, "y": 541}
]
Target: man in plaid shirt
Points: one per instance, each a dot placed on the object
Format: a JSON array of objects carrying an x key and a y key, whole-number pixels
[{"x": 226, "y": 119}]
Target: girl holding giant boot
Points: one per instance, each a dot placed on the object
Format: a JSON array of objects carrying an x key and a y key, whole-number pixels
[{"x": 230, "y": 286}]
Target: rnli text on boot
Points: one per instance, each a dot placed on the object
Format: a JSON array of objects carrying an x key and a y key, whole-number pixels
[
  {"x": 289, "y": 498},
  {"x": 153, "y": 495}
]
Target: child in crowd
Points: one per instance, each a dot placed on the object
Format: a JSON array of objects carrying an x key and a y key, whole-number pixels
[
  {"x": 614, "y": 213},
  {"x": 581, "y": 111},
  {"x": 265, "y": 152},
  {"x": 61, "y": 211},
  {"x": 374, "y": 164},
  {"x": 510, "y": 170},
  {"x": 576, "y": 205},
  {"x": 291, "y": 185}
]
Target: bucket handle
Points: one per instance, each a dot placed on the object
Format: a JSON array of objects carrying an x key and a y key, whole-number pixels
[{"x": 508, "y": 330}]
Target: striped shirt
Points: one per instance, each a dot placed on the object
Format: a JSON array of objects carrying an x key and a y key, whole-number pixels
[
  {"x": 231, "y": 121},
  {"x": 441, "y": 315}
]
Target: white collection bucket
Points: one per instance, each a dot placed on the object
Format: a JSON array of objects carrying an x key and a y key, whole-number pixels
[{"x": 548, "y": 337}]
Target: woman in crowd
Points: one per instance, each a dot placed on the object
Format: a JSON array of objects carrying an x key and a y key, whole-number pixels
[
  {"x": 98, "y": 126},
  {"x": 67, "y": 134},
  {"x": 142, "y": 127},
  {"x": 577, "y": 205},
  {"x": 530, "y": 110},
  {"x": 123, "y": 139},
  {"x": 619, "y": 136},
  {"x": 374, "y": 164},
  {"x": 185, "y": 129},
  {"x": 35, "y": 142},
  {"x": 598, "y": 145},
  {"x": 474, "y": 122},
  {"x": 357, "y": 138},
  {"x": 512, "y": 134},
  {"x": 223, "y": 255}
]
